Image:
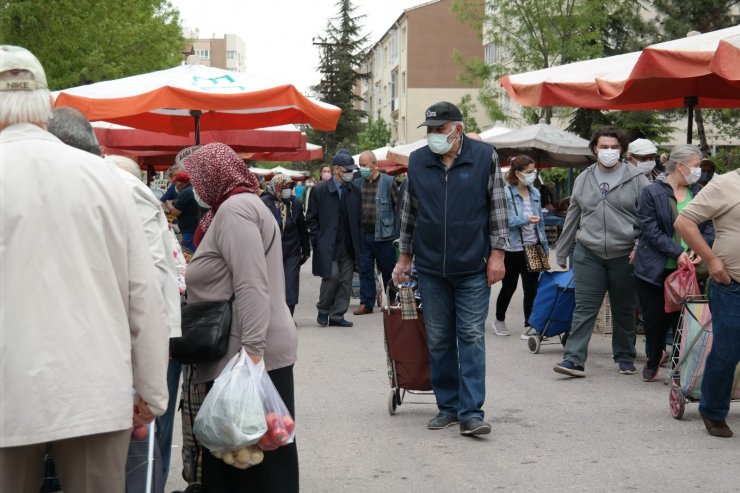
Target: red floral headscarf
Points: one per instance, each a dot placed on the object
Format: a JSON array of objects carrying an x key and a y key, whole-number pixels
[{"x": 217, "y": 173}]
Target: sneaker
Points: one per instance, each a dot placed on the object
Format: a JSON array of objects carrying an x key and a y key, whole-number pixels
[
  {"x": 441, "y": 421},
  {"x": 499, "y": 328},
  {"x": 569, "y": 368},
  {"x": 716, "y": 428},
  {"x": 649, "y": 374},
  {"x": 528, "y": 331},
  {"x": 475, "y": 426},
  {"x": 627, "y": 368}
]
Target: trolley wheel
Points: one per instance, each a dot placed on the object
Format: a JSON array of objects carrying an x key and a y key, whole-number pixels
[
  {"x": 194, "y": 488},
  {"x": 533, "y": 343},
  {"x": 677, "y": 402},
  {"x": 392, "y": 402},
  {"x": 564, "y": 338}
]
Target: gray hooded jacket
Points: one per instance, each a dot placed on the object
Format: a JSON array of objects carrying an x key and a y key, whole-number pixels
[{"x": 607, "y": 225}]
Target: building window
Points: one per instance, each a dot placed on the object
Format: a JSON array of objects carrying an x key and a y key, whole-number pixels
[
  {"x": 394, "y": 90},
  {"x": 204, "y": 54},
  {"x": 231, "y": 55},
  {"x": 403, "y": 83},
  {"x": 394, "y": 46},
  {"x": 491, "y": 54}
]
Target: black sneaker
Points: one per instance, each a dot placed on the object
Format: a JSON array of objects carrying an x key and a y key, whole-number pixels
[
  {"x": 627, "y": 368},
  {"x": 569, "y": 368},
  {"x": 475, "y": 426},
  {"x": 441, "y": 421},
  {"x": 323, "y": 319},
  {"x": 649, "y": 374}
]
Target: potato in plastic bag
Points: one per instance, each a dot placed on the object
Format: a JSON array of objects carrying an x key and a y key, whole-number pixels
[{"x": 232, "y": 415}]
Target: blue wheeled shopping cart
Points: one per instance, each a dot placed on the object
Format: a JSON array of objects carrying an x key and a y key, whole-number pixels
[{"x": 553, "y": 308}]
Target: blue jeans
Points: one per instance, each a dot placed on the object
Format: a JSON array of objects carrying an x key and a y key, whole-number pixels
[
  {"x": 455, "y": 311},
  {"x": 373, "y": 251},
  {"x": 166, "y": 422},
  {"x": 187, "y": 241},
  {"x": 719, "y": 371}
]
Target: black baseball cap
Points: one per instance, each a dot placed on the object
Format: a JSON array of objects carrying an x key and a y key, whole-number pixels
[
  {"x": 441, "y": 113},
  {"x": 343, "y": 159}
]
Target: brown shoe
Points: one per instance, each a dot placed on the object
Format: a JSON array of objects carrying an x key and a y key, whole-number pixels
[
  {"x": 717, "y": 428},
  {"x": 363, "y": 310}
]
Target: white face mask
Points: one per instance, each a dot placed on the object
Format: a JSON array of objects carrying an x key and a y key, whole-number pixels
[
  {"x": 285, "y": 193},
  {"x": 529, "y": 178},
  {"x": 646, "y": 166},
  {"x": 348, "y": 176},
  {"x": 438, "y": 142},
  {"x": 609, "y": 157},
  {"x": 693, "y": 176},
  {"x": 199, "y": 200}
]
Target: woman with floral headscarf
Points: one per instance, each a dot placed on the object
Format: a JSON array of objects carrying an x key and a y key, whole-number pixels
[
  {"x": 240, "y": 253},
  {"x": 288, "y": 212}
]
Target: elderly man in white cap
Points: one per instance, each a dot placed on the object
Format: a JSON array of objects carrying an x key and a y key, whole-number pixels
[
  {"x": 81, "y": 318},
  {"x": 643, "y": 154}
]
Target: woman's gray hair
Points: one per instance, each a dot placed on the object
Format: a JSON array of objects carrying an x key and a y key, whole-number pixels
[
  {"x": 25, "y": 107},
  {"x": 680, "y": 154},
  {"x": 126, "y": 164},
  {"x": 74, "y": 129}
]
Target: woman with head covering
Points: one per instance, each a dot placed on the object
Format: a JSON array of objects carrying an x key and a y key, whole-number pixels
[
  {"x": 288, "y": 212},
  {"x": 525, "y": 228},
  {"x": 660, "y": 250},
  {"x": 239, "y": 253}
]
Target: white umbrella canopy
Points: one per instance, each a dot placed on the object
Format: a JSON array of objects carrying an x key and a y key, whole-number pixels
[
  {"x": 400, "y": 153},
  {"x": 195, "y": 97},
  {"x": 547, "y": 145},
  {"x": 380, "y": 153}
]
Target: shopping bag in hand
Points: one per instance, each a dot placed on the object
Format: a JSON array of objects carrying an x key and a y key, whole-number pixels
[
  {"x": 232, "y": 416},
  {"x": 680, "y": 285},
  {"x": 280, "y": 424}
]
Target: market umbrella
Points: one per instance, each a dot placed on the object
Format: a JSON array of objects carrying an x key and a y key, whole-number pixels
[
  {"x": 693, "y": 71},
  {"x": 400, "y": 153},
  {"x": 311, "y": 152},
  {"x": 195, "y": 97},
  {"x": 547, "y": 145},
  {"x": 118, "y": 137},
  {"x": 380, "y": 153}
]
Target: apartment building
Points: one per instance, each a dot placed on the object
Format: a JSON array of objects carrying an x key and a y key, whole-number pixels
[
  {"x": 412, "y": 67},
  {"x": 227, "y": 53}
]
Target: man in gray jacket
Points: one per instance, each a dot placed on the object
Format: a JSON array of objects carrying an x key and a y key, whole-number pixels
[{"x": 602, "y": 220}]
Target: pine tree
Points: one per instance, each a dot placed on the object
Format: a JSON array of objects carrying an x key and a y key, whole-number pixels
[{"x": 342, "y": 50}]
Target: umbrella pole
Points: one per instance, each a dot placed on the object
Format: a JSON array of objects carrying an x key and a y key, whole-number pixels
[
  {"x": 690, "y": 102},
  {"x": 196, "y": 116}
]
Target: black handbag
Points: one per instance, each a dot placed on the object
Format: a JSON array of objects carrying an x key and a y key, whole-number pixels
[{"x": 205, "y": 332}]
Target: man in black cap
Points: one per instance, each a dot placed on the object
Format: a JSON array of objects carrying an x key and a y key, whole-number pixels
[
  {"x": 455, "y": 227},
  {"x": 333, "y": 221}
]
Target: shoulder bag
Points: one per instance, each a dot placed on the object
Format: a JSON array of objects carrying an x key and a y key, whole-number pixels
[
  {"x": 535, "y": 256},
  {"x": 206, "y": 327}
]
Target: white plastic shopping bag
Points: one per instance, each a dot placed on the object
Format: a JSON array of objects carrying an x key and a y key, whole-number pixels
[{"x": 232, "y": 415}]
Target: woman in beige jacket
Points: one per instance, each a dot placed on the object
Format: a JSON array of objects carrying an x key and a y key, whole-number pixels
[{"x": 239, "y": 252}]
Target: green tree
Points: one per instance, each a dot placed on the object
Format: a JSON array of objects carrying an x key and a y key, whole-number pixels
[
  {"x": 467, "y": 108},
  {"x": 342, "y": 50},
  {"x": 376, "y": 134},
  {"x": 679, "y": 17},
  {"x": 84, "y": 41}
]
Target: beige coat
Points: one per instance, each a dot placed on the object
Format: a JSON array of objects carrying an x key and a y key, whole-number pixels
[
  {"x": 157, "y": 232},
  {"x": 81, "y": 316},
  {"x": 231, "y": 260}
]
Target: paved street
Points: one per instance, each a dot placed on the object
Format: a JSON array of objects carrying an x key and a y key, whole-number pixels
[{"x": 607, "y": 432}]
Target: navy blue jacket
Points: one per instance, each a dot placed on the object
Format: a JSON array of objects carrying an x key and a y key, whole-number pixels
[
  {"x": 322, "y": 220},
  {"x": 451, "y": 234},
  {"x": 656, "y": 243}
]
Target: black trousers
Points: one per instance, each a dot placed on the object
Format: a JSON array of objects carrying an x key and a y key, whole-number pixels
[
  {"x": 656, "y": 320},
  {"x": 515, "y": 267},
  {"x": 278, "y": 473}
]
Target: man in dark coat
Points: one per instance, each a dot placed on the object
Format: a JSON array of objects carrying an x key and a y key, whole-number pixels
[{"x": 333, "y": 220}]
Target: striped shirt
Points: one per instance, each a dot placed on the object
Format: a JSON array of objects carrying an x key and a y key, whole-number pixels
[{"x": 497, "y": 212}]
